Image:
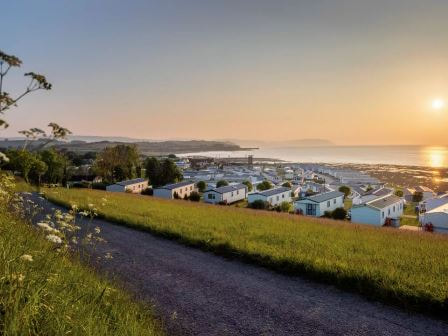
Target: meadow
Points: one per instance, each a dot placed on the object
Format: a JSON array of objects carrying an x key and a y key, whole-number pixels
[
  {"x": 406, "y": 269},
  {"x": 46, "y": 292}
]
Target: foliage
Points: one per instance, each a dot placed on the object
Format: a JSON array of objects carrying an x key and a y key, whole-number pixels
[
  {"x": 249, "y": 185},
  {"x": 259, "y": 204},
  {"x": 417, "y": 197},
  {"x": 394, "y": 266},
  {"x": 117, "y": 163},
  {"x": 265, "y": 185},
  {"x": 339, "y": 213},
  {"x": 285, "y": 206},
  {"x": 161, "y": 172},
  {"x": 56, "y": 166},
  {"x": 222, "y": 183},
  {"x": 201, "y": 185},
  {"x": 44, "y": 290},
  {"x": 345, "y": 189},
  {"x": 287, "y": 185},
  {"x": 399, "y": 193},
  {"x": 21, "y": 161},
  {"x": 194, "y": 196}
]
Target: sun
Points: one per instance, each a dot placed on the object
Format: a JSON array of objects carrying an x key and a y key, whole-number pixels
[{"x": 438, "y": 104}]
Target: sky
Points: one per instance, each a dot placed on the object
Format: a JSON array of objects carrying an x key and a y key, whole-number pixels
[{"x": 351, "y": 71}]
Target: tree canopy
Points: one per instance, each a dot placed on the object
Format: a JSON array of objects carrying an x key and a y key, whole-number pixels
[
  {"x": 161, "y": 172},
  {"x": 265, "y": 185},
  {"x": 117, "y": 163}
]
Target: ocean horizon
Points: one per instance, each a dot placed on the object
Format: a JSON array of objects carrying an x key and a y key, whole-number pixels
[{"x": 409, "y": 155}]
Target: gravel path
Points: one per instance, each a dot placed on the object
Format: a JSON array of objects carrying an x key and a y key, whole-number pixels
[{"x": 198, "y": 293}]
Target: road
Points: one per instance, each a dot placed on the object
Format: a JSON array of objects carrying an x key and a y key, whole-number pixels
[{"x": 198, "y": 293}]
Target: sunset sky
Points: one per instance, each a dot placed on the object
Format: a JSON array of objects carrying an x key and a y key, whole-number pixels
[{"x": 351, "y": 71}]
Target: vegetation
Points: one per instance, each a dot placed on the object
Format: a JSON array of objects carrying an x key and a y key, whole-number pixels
[
  {"x": 194, "y": 196},
  {"x": 287, "y": 185},
  {"x": 398, "y": 193},
  {"x": 249, "y": 185},
  {"x": 265, "y": 185},
  {"x": 222, "y": 183},
  {"x": 403, "y": 268},
  {"x": 346, "y": 190},
  {"x": 161, "y": 172},
  {"x": 118, "y": 163},
  {"x": 417, "y": 197},
  {"x": 201, "y": 185}
]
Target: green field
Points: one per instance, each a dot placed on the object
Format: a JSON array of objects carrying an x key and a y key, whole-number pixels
[
  {"x": 52, "y": 294},
  {"x": 407, "y": 269}
]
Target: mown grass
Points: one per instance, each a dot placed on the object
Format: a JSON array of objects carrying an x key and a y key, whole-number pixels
[
  {"x": 407, "y": 269},
  {"x": 43, "y": 292}
]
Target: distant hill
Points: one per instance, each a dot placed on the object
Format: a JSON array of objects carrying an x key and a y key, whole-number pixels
[
  {"x": 145, "y": 147},
  {"x": 286, "y": 143}
]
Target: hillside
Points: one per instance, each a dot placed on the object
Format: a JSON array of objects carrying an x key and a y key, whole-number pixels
[
  {"x": 402, "y": 268},
  {"x": 145, "y": 148}
]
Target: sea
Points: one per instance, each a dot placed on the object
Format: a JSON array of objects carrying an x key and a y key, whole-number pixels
[{"x": 424, "y": 156}]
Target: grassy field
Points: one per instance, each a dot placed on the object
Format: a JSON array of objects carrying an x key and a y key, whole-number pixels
[
  {"x": 43, "y": 292},
  {"x": 407, "y": 269}
]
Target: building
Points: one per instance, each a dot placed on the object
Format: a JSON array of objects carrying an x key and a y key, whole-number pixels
[
  {"x": 317, "y": 205},
  {"x": 432, "y": 203},
  {"x": 228, "y": 194},
  {"x": 385, "y": 210},
  {"x": 436, "y": 218},
  {"x": 135, "y": 186},
  {"x": 273, "y": 196},
  {"x": 181, "y": 189},
  {"x": 408, "y": 194},
  {"x": 426, "y": 192},
  {"x": 372, "y": 195}
]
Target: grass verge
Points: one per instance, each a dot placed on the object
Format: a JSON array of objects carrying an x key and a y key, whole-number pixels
[
  {"x": 43, "y": 292},
  {"x": 406, "y": 269}
]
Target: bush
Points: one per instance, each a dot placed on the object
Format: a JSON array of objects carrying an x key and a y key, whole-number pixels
[
  {"x": 99, "y": 186},
  {"x": 287, "y": 185},
  {"x": 339, "y": 213},
  {"x": 195, "y": 196},
  {"x": 417, "y": 197},
  {"x": 148, "y": 191},
  {"x": 265, "y": 185},
  {"x": 259, "y": 204},
  {"x": 222, "y": 183},
  {"x": 327, "y": 214},
  {"x": 399, "y": 193},
  {"x": 285, "y": 206}
]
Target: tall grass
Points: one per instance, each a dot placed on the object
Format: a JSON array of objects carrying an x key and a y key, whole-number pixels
[
  {"x": 43, "y": 292},
  {"x": 407, "y": 269}
]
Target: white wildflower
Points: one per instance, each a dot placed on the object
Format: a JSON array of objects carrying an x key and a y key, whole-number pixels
[
  {"x": 90, "y": 205},
  {"x": 108, "y": 255},
  {"x": 19, "y": 277},
  {"x": 54, "y": 239},
  {"x": 3, "y": 157},
  {"x": 97, "y": 230},
  {"x": 27, "y": 257},
  {"x": 84, "y": 213}
]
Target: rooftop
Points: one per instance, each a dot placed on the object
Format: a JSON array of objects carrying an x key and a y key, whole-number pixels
[
  {"x": 130, "y": 182},
  {"x": 319, "y": 198},
  {"x": 176, "y": 185},
  {"x": 273, "y": 191},
  {"x": 226, "y": 189},
  {"x": 384, "y": 202}
]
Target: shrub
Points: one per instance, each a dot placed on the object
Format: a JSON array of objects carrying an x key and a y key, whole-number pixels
[
  {"x": 339, "y": 213},
  {"x": 99, "y": 186},
  {"x": 399, "y": 193},
  {"x": 287, "y": 185},
  {"x": 344, "y": 189},
  {"x": 148, "y": 191},
  {"x": 265, "y": 185},
  {"x": 259, "y": 204},
  {"x": 249, "y": 185},
  {"x": 222, "y": 183},
  {"x": 285, "y": 206},
  {"x": 195, "y": 196},
  {"x": 417, "y": 197}
]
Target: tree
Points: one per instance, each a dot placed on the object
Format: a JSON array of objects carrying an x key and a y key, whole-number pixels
[
  {"x": 399, "y": 193},
  {"x": 172, "y": 156},
  {"x": 222, "y": 183},
  {"x": 417, "y": 197},
  {"x": 162, "y": 172},
  {"x": 21, "y": 161},
  {"x": 34, "y": 134},
  {"x": 265, "y": 185},
  {"x": 249, "y": 185},
  {"x": 339, "y": 213},
  {"x": 117, "y": 163},
  {"x": 345, "y": 189},
  {"x": 56, "y": 166},
  {"x": 38, "y": 170},
  {"x": 201, "y": 185},
  {"x": 195, "y": 196},
  {"x": 287, "y": 185}
]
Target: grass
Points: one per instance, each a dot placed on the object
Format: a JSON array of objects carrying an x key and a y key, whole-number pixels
[
  {"x": 407, "y": 269},
  {"x": 54, "y": 294}
]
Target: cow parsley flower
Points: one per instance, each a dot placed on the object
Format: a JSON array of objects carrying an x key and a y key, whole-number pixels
[
  {"x": 54, "y": 239},
  {"x": 27, "y": 257}
]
